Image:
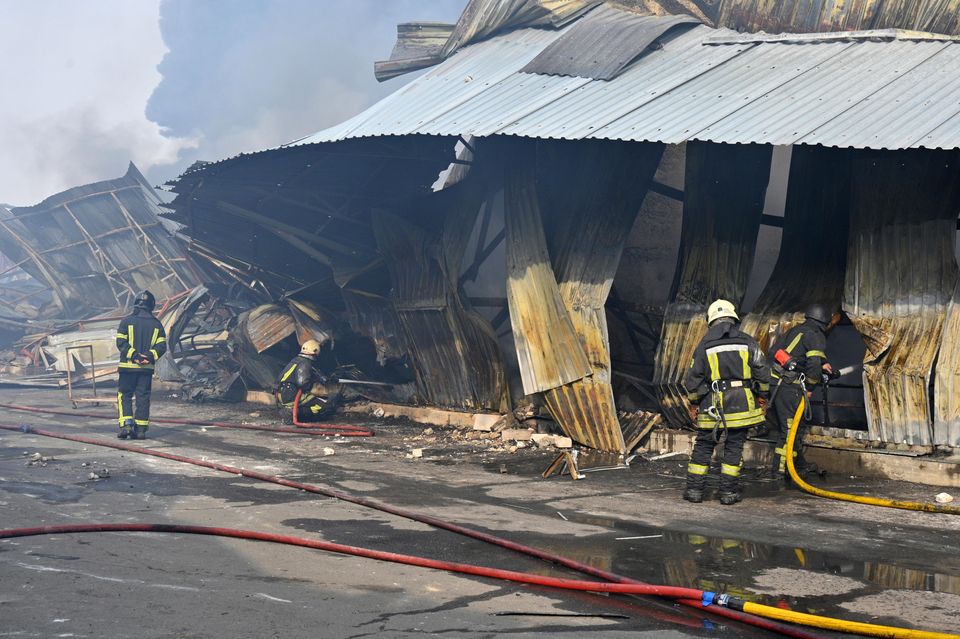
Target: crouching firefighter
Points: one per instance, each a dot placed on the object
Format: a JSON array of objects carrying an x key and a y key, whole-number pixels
[
  {"x": 727, "y": 372},
  {"x": 799, "y": 363},
  {"x": 300, "y": 376},
  {"x": 141, "y": 341}
]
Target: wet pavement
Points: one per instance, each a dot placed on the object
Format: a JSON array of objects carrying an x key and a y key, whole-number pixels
[{"x": 778, "y": 547}]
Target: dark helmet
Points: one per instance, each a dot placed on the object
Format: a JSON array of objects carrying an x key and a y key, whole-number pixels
[
  {"x": 145, "y": 299},
  {"x": 819, "y": 313}
]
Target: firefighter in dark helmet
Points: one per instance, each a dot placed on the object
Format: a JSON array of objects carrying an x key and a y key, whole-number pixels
[
  {"x": 799, "y": 362},
  {"x": 728, "y": 372},
  {"x": 141, "y": 341},
  {"x": 300, "y": 376}
]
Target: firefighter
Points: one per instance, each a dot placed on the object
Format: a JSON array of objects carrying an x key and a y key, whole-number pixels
[
  {"x": 799, "y": 362},
  {"x": 726, "y": 375},
  {"x": 141, "y": 341},
  {"x": 301, "y": 376}
]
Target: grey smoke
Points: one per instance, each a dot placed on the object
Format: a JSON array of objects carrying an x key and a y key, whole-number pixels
[{"x": 244, "y": 75}]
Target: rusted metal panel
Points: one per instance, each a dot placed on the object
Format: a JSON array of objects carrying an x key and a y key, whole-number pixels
[
  {"x": 901, "y": 274},
  {"x": 548, "y": 350},
  {"x": 723, "y": 202},
  {"x": 590, "y": 194},
  {"x": 813, "y": 249}
]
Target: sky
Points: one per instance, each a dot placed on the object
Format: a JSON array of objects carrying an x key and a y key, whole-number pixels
[{"x": 90, "y": 86}]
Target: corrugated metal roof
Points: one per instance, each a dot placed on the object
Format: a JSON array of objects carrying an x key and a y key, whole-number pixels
[{"x": 892, "y": 94}]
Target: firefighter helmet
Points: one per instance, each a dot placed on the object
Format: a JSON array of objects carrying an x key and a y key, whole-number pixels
[
  {"x": 145, "y": 299},
  {"x": 819, "y": 313},
  {"x": 310, "y": 348},
  {"x": 720, "y": 309}
]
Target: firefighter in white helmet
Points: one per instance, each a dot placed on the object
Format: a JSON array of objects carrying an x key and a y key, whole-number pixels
[
  {"x": 300, "y": 375},
  {"x": 726, "y": 375}
]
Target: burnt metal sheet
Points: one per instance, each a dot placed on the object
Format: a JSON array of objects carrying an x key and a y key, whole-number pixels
[
  {"x": 590, "y": 194},
  {"x": 813, "y": 248},
  {"x": 946, "y": 391},
  {"x": 548, "y": 349},
  {"x": 900, "y": 277},
  {"x": 723, "y": 202},
  {"x": 453, "y": 351},
  {"x": 267, "y": 325},
  {"x": 601, "y": 44},
  {"x": 299, "y": 215},
  {"x": 937, "y": 16},
  {"x": 310, "y": 322},
  {"x": 97, "y": 245}
]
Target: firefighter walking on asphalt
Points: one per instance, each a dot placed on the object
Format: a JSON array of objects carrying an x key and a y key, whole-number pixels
[
  {"x": 300, "y": 376},
  {"x": 728, "y": 372},
  {"x": 141, "y": 341},
  {"x": 799, "y": 362}
]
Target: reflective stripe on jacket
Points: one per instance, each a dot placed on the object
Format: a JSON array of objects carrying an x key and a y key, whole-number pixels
[
  {"x": 806, "y": 342},
  {"x": 142, "y": 333},
  {"x": 732, "y": 362}
]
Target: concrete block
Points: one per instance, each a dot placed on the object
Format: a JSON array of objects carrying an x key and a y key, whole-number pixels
[
  {"x": 516, "y": 434},
  {"x": 562, "y": 442},
  {"x": 541, "y": 439},
  {"x": 260, "y": 397},
  {"x": 485, "y": 422}
]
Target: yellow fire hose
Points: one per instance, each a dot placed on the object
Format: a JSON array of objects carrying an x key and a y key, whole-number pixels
[
  {"x": 829, "y": 623},
  {"x": 841, "y": 625},
  {"x": 859, "y": 499}
]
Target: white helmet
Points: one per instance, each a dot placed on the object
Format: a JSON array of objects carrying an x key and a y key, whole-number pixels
[
  {"x": 310, "y": 348},
  {"x": 721, "y": 308}
]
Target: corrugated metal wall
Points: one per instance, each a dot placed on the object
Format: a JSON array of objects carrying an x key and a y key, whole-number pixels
[
  {"x": 548, "y": 350},
  {"x": 723, "y": 202},
  {"x": 813, "y": 249},
  {"x": 946, "y": 391},
  {"x": 453, "y": 352},
  {"x": 901, "y": 274},
  {"x": 590, "y": 193}
]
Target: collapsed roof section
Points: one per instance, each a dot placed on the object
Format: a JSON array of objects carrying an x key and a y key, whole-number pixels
[{"x": 95, "y": 246}]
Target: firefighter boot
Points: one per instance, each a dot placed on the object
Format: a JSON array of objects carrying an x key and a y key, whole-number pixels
[
  {"x": 126, "y": 430},
  {"x": 729, "y": 497},
  {"x": 693, "y": 494},
  {"x": 139, "y": 432}
]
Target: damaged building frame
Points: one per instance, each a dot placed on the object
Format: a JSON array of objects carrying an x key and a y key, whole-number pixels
[{"x": 527, "y": 223}]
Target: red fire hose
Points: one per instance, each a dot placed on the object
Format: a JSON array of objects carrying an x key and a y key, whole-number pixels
[
  {"x": 686, "y": 596},
  {"x": 337, "y": 430}
]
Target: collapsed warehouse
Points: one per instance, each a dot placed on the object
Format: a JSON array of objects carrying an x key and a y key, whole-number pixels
[{"x": 543, "y": 216}]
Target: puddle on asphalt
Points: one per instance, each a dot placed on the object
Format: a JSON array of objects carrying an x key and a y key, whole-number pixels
[
  {"x": 796, "y": 578},
  {"x": 784, "y": 576}
]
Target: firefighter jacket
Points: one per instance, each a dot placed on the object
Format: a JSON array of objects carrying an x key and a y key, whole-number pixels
[
  {"x": 727, "y": 372},
  {"x": 140, "y": 335},
  {"x": 298, "y": 375},
  {"x": 807, "y": 345}
]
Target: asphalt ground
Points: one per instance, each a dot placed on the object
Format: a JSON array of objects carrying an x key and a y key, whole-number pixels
[{"x": 778, "y": 546}]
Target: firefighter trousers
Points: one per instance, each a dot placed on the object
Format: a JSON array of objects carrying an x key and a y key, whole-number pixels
[
  {"x": 731, "y": 460},
  {"x": 784, "y": 408},
  {"x": 134, "y": 385}
]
